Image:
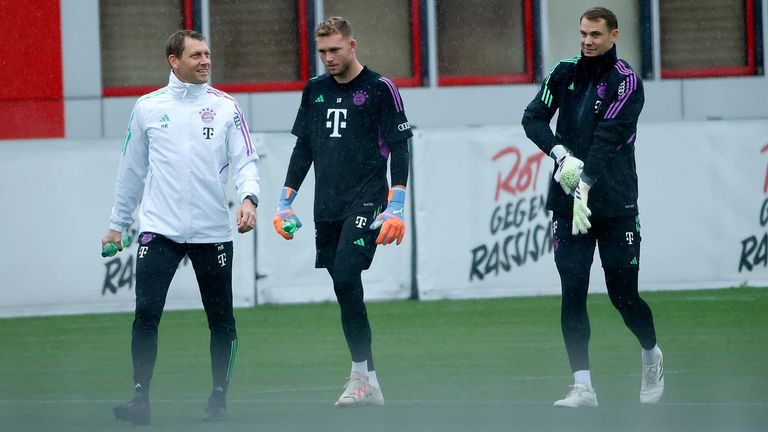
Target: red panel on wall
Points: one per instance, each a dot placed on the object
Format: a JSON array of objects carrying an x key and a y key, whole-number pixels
[{"x": 31, "y": 93}]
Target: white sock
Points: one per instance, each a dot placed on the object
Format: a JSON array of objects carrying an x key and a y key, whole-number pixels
[
  {"x": 372, "y": 380},
  {"x": 651, "y": 356},
  {"x": 361, "y": 368},
  {"x": 583, "y": 377}
]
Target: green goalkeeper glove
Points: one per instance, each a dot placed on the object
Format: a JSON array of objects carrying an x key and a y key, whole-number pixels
[
  {"x": 568, "y": 170},
  {"x": 581, "y": 212}
]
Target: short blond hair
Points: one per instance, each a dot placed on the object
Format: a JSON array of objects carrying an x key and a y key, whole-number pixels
[{"x": 332, "y": 26}]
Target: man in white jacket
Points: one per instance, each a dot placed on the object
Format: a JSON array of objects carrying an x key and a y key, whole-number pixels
[{"x": 181, "y": 142}]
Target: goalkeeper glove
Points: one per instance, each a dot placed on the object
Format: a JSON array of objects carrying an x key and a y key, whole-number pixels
[
  {"x": 568, "y": 170},
  {"x": 285, "y": 221},
  {"x": 581, "y": 212},
  {"x": 391, "y": 220}
]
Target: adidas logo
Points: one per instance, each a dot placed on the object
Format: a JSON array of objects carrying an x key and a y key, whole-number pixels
[
  {"x": 570, "y": 87},
  {"x": 165, "y": 118},
  {"x": 359, "y": 242},
  {"x": 634, "y": 261},
  {"x": 319, "y": 99}
]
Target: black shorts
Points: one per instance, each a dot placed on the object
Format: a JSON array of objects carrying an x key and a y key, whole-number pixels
[
  {"x": 349, "y": 238},
  {"x": 617, "y": 238}
]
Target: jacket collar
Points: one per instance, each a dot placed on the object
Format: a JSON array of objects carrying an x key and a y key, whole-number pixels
[
  {"x": 596, "y": 67},
  {"x": 182, "y": 89}
]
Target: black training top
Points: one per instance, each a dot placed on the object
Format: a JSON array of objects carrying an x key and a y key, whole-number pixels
[
  {"x": 348, "y": 131},
  {"x": 600, "y": 99}
]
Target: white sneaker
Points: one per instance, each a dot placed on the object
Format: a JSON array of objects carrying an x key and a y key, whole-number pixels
[
  {"x": 579, "y": 396},
  {"x": 652, "y": 385},
  {"x": 376, "y": 396},
  {"x": 359, "y": 392}
]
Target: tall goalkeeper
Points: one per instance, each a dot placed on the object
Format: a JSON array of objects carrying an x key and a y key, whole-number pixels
[
  {"x": 593, "y": 195},
  {"x": 350, "y": 121}
]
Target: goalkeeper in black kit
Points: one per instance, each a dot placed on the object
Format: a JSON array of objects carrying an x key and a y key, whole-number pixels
[
  {"x": 593, "y": 194},
  {"x": 351, "y": 120}
]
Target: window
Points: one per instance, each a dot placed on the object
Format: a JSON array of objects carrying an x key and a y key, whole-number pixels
[
  {"x": 707, "y": 38},
  {"x": 562, "y": 40},
  {"x": 255, "y": 45},
  {"x": 133, "y": 38},
  {"x": 259, "y": 45},
  {"x": 484, "y": 41},
  {"x": 388, "y": 33}
]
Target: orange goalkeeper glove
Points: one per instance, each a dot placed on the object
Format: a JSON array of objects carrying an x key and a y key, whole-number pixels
[
  {"x": 285, "y": 221},
  {"x": 391, "y": 220}
]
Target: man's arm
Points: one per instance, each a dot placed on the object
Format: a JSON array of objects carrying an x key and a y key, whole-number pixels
[
  {"x": 399, "y": 163},
  {"x": 243, "y": 160},
  {"x": 301, "y": 158},
  {"x": 391, "y": 220},
  {"x": 131, "y": 174},
  {"x": 285, "y": 221},
  {"x": 616, "y": 128},
  {"x": 540, "y": 111},
  {"x": 298, "y": 167}
]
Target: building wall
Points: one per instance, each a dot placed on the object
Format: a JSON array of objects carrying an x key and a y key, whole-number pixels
[
  {"x": 31, "y": 55},
  {"x": 87, "y": 115}
]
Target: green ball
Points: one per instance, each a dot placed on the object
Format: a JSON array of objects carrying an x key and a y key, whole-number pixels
[{"x": 289, "y": 226}]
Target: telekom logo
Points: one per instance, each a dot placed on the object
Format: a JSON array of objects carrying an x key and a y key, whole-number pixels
[
  {"x": 337, "y": 121},
  {"x": 523, "y": 173}
]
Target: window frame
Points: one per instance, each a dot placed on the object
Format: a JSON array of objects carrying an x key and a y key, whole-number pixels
[
  {"x": 525, "y": 77},
  {"x": 302, "y": 13},
  {"x": 416, "y": 79},
  {"x": 750, "y": 69},
  {"x": 189, "y": 16},
  {"x": 417, "y": 26}
]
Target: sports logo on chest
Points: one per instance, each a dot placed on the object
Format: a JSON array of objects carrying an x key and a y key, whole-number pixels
[
  {"x": 335, "y": 121},
  {"x": 207, "y": 115},
  {"x": 359, "y": 97},
  {"x": 601, "y": 88}
]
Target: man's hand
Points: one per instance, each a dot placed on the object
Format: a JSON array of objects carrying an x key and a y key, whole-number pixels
[
  {"x": 391, "y": 220},
  {"x": 113, "y": 236},
  {"x": 286, "y": 222},
  {"x": 568, "y": 174},
  {"x": 568, "y": 170},
  {"x": 581, "y": 212},
  {"x": 246, "y": 216}
]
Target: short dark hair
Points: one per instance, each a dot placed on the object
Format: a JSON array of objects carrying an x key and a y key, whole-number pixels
[
  {"x": 334, "y": 25},
  {"x": 598, "y": 13},
  {"x": 175, "y": 45}
]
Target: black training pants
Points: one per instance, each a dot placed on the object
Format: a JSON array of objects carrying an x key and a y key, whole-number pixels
[
  {"x": 346, "y": 248},
  {"x": 156, "y": 262},
  {"x": 618, "y": 241}
]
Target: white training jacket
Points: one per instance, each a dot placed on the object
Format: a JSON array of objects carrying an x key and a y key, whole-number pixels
[{"x": 180, "y": 144}]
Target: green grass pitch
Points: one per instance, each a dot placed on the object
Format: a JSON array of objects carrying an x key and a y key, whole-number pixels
[{"x": 476, "y": 365}]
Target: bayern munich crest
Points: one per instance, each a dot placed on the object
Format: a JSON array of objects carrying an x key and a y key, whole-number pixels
[
  {"x": 601, "y": 90},
  {"x": 359, "y": 97},
  {"x": 207, "y": 115}
]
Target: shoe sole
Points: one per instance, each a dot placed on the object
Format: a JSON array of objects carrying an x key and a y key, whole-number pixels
[
  {"x": 652, "y": 398},
  {"x": 358, "y": 404},
  {"x": 125, "y": 417},
  {"x": 574, "y": 406},
  {"x": 348, "y": 405}
]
